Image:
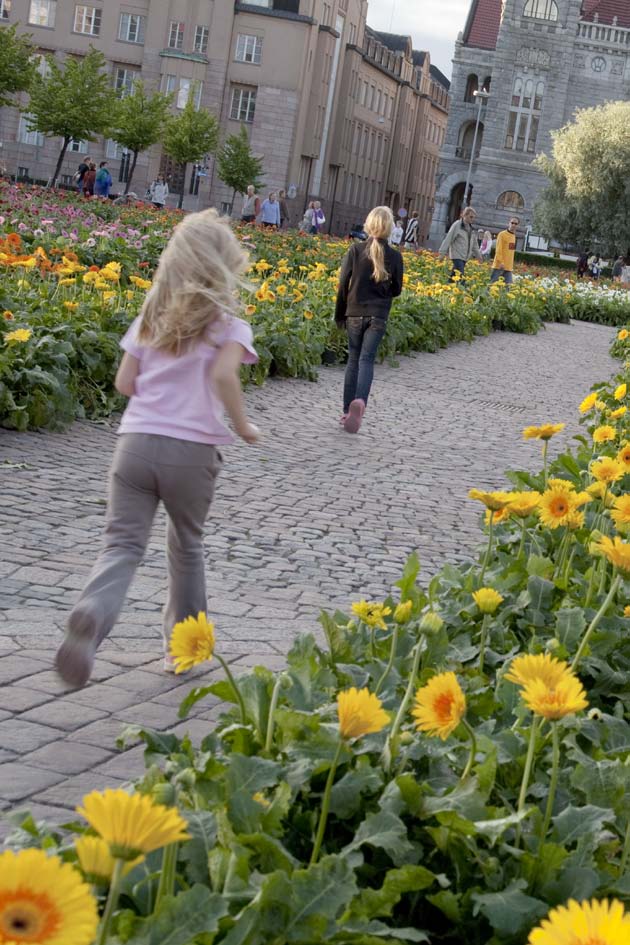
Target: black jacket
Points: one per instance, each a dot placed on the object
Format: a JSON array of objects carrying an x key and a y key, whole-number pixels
[{"x": 358, "y": 293}]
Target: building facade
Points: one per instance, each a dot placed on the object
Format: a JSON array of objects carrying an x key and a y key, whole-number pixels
[
  {"x": 336, "y": 111},
  {"x": 539, "y": 60}
]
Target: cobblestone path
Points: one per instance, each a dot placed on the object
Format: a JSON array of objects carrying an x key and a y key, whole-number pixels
[{"x": 311, "y": 518}]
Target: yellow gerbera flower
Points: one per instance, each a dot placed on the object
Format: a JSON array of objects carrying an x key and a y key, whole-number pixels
[
  {"x": 360, "y": 712},
  {"x": 544, "y": 667},
  {"x": 71, "y": 306},
  {"x": 585, "y": 923},
  {"x": 621, "y": 512},
  {"x": 250, "y": 309},
  {"x": 487, "y": 599},
  {"x": 557, "y": 504},
  {"x": 97, "y": 863},
  {"x": 623, "y": 334},
  {"x": 132, "y": 824},
  {"x": 618, "y": 413},
  {"x": 44, "y": 901},
  {"x": 523, "y": 504},
  {"x": 439, "y": 706},
  {"x": 19, "y": 335},
  {"x": 588, "y": 403},
  {"x": 139, "y": 282},
  {"x": 623, "y": 455},
  {"x": 615, "y": 550},
  {"x": 402, "y": 613},
  {"x": 566, "y": 697},
  {"x": 544, "y": 432},
  {"x": 599, "y": 490},
  {"x": 495, "y": 501},
  {"x": 371, "y": 613},
  {"x": 67, "y": 281},
  {"x": 604, "y": 434},
  {"x": 626, "y": 610},
  {"x": 607, "y": 469},
  {"x": 620, "y": 391},
  {"x": 575, "y": 520},
  {"x": 501, "y": 516},
  {"x": 192, "y": 642}
]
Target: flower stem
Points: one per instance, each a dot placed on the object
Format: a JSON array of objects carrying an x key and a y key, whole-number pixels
[
  {"x": 521, "y": 547},
  {"x": 112, "y": 902},
  {"x": 486, "y": 560},
  {"x": 166, "y": 885},
  {"x": 372, "y": 633},
  {"x": 527, "y": 771},
  {"x": 272, "y": 710},
  {"x": 473, "y": 750},
  {"x": 544, "y": 452},
  {"x": 392, "y": 655},
  {"x": 482, "y": 643},
  {"x": 402, "y": 710},
  {"x": 553, "y": 784},
  {"x": 595, "y": 621},
  {"x": 323, "y": 817},
  {"x": 625, "y": 852},
  {"x": 237, "y": 691}
]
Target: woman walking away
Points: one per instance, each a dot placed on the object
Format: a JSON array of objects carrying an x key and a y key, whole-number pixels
[
  {"x": 159, "y": 192},
  {"x": 89, "y": 179},
  {"x": 307, "y": 221},
  {"x": 371, "y": 277},
  {"x": 104, "y": 181},
  {"x": 180, "y": 368}
]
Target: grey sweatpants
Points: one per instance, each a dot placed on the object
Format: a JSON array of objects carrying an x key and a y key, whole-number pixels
[{"x": 146, "y": 469}]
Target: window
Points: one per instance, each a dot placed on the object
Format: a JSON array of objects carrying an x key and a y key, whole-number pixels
[
  {"x": 79, "y": 147},
  {"x": 113, "y": 150},
  {"x": 176, "y": 35},
  {"x": 510, "y": 200},
  {"x": 541, "y": 9},
  {"x": 33, "y": 138},
  {"x": 168, "y": 84},
  {"x": 22, "y": 173},
  {"x": 5, "y": 9},
  {"x": 201, "y": 39},
  {"x": 42, "y": 13},
  {"x": 226, "y": 208},
  {"x": 131, "y": 28},
  {"x": 87, "y": 20},
  {"x": 243, "y": 104},
  {"x": 471, "y": 87},
  {"x": 248, "y": 49},
  {"x": 124, "y": 81},
  {"x": 184, "y": 92},
  {"x": 524, "y": 117},
  {"x": 67, "y": 180}
]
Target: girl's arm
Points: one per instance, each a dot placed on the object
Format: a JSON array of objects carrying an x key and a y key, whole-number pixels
[
  {"x": 126, "y": 375},
  {"x": 225, "y": 376}
]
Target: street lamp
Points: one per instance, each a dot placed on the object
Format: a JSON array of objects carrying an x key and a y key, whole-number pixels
[{"x": 482, "y": 97}]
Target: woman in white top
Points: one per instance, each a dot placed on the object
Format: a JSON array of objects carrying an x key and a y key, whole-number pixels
[
  {"x": 486, "y": 244},
  {"x": 159, "y": 192}
]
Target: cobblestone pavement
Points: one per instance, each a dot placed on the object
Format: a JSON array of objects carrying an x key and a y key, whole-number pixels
[{"x": 311, "y": 518}]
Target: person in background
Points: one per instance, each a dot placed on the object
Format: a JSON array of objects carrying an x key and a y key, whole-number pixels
[
  {"x": 397, "y": 234},
  {"x": 582, "y": 265},
  {"x": 284, "y": 210},
  {"x": 89, "y": 180},
  {"x": 318, "y": 217},
  {"x": 125, "y": 199},
  {"x": 103, "y": 183},
  {"x": 596, "y": 268},
  {"x": 270, "y": 211},
  {"x": 503, "y": 263},
  {"x": 82, "y": 170},
  {"x": 461, "y": 244},
  {"x": 306, "y": 226},
  {"x": 371, "y": 277},
  {"x": 617, "y": 268},
  {"x": 411, "y": 236},
  {"x": 158, "y": 192},
  {"x": 486, "y": 245},
  {"x": 251, "y": 206},
  {"x": 180, "y": 370}
]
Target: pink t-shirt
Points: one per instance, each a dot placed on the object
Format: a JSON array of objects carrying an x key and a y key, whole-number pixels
[{"x": 174, "y": 395}]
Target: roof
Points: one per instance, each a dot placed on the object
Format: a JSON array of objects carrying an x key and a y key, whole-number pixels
[
  {"x": 482, "y": 26},
  {"x": 393, "y": 41},
  {"x": 439, "y": 77},
  {"x": 606, "y": 11},
  {"x": 418, "y": 56}
]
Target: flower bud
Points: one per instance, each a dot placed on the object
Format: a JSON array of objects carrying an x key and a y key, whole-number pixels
[
  {"x": 431, "y": 623},
  {"x": 163, "y": 793},
  {"x": 402, "y": 612}
]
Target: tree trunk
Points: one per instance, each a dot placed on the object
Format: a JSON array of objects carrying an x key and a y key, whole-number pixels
[
  {"x": 233, "y": 199},
  {"x": 131, "y": 170},
  {"x": 180, "y": 203},
  {"x": 62, "y": 154}
]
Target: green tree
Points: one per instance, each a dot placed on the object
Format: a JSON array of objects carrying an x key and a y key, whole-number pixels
[
  {"x": 189, "y": 137},
  {"x": 74, "y": 100},
  {"x": 138, "y": 122},
  {"x": 588, "y": 197},
  {"x": 16, "y": 64},
  {"x": 236, "y": 165}
]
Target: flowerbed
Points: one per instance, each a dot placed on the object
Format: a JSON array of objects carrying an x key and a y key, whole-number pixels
[
  {"x": 74, "y": 274},
  {"x": 450, "y": 766}
]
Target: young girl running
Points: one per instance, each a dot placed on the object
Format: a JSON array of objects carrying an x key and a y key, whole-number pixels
[
  {"x": 371, "y": 277},
  {"x": 180, "y": 368}
]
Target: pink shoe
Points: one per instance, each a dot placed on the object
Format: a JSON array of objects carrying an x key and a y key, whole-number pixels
[
  {"x": 355, "y": 416},
  {"x": 342, "y": 419}
]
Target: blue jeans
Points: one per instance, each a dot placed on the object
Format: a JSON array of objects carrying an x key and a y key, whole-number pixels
[
  {"x": 364, "y": 336},
  {"x": 504, "y": 274},
  {"x": 459, "y": 265}
]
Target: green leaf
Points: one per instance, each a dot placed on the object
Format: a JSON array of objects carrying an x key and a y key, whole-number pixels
[
  {"x": 493, "y": 829},
  {"x": 448, "y": 903},
  {"x": 202, "y": 828},
  {"x": 407, "y": 582},
  {"x": 539, "y": 566},
  {"x": 375, "y": 902},
  {"x": 575, "y": 822},
  {"x": 180, "y": 918},
  {"x": 570, "y": 625},
  {"x": 195, "y": 695},
  {"x": 510, "y": 911},
  {"x": 384, "y": 831},
  {"x": 346, "y": 795},
  {"x": 244, "y": 777}
]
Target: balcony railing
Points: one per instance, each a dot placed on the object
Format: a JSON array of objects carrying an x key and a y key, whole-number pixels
[{"x": 602, "y": 33}]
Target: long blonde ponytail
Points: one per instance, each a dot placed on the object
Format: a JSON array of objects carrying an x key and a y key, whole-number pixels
[{"x": 378, "y": 226}]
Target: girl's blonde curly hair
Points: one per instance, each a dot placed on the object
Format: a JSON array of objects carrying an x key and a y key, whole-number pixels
[{"x": 197, "y": 281}]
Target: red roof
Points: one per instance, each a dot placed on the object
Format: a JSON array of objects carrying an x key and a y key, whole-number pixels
[
  {"x": 607, "y": 10},
  {"x": 484, "y": 22}
]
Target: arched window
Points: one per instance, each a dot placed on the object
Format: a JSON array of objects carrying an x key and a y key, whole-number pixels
[
  {"x": 471, "y": 87},
  {"x": 486, "y": 83},
  {"x": 524, "y": 116},
  {"x": 510, "y": 200},
  {"x": 466, "y": 138},
  {"x": 541, "y": 9}
]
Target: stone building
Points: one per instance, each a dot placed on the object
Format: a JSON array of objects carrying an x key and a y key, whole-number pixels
[
  {"x": 539, "y": 60},
  {"x": 336, "y": 111}
]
